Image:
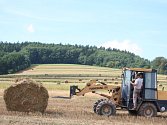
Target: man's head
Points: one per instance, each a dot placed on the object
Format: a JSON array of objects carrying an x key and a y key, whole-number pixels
[{"x": 139, "y": 75}]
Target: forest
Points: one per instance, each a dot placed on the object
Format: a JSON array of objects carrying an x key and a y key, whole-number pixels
[{"x": 19, "y": 56}]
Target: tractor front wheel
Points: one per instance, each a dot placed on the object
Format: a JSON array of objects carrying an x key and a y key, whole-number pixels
[
  {"x": 106, "y": 108},
  {"x": 147, "y": 110},
  {"x": 96, "y": 103}
]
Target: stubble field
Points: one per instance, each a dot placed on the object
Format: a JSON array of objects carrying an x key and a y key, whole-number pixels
[{"x": 75, "y": 111}]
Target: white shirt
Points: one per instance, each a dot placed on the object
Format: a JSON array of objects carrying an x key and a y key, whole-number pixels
[{"x": 138, "y": 83}]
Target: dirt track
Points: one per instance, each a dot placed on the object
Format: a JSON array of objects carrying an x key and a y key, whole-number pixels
[{"x": 75, "y": 111}]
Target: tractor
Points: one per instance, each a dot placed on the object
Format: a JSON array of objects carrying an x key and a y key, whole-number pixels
[{"x": 149, "y": 102}]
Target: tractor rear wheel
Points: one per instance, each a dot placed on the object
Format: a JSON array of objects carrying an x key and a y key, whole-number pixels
[
  {"x": 96, "y": 103},
  {"x": 106, "y": 108},
  {"x": 147, "y": 110}
]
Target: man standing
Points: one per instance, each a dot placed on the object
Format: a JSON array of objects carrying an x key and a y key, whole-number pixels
[{"x": 137, "y": 88}]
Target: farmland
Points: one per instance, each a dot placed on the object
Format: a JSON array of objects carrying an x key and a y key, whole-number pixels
[{"x": 75, "y": 111}]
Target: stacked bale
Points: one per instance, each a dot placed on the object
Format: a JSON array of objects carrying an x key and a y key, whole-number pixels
[{"x": 26, "y": 95}]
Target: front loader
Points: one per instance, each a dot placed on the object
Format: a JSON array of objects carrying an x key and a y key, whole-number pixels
[{"x": 149, "y": 102}]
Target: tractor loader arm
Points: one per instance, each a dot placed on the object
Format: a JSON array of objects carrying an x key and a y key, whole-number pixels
[{"x": 93, "y": 86}]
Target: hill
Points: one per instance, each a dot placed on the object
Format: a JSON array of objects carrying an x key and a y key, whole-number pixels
[{"x": 19, "y": 56}]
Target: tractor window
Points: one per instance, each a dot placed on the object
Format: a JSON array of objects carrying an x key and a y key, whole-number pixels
[
  {"x": 150, "y": 86},
  {"x": 150, "y": 80},
  {"x": 127, "y": 77}
]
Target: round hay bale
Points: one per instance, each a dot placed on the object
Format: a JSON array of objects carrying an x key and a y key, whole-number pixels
[
  {"x": 26, "y": 96},
  {"x": 105, "y": 79},
  {"x": 66, "y": 81},
  {"x": 116, "y": 82}
]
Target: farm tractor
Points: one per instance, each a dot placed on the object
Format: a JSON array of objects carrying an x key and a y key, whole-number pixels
[{"x": 149, "y": 102}]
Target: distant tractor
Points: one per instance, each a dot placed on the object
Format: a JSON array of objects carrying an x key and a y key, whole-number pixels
[{"x": 149, "y": 102}]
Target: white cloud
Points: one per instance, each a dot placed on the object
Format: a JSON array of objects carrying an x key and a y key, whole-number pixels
[
  {"x": 124, "y": 45},
  {"x": 30, "y": 28}
]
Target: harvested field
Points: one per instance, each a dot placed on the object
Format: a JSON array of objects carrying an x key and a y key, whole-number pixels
[
  {"x": 53, "y": 74},
  {"x": 69, "y": 69},
  {"x": 76, "y": 111}
]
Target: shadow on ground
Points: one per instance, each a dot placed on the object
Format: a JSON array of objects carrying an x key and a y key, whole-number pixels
[{"x": 61, "y": 97}]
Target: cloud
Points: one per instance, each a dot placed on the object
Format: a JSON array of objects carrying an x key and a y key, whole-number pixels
[
  {"x": 30, "y": 28},
  {"x": 124, "y": 45}
]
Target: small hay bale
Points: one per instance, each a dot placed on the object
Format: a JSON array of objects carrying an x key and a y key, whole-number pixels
[
  {"x": 66, "y": 81},
  {"x": 160, "y": 84},
  {"x": 112, "y": 79},
  {"x": 80, "y": 80},
  {"x": 105, "y": 79},
  {"x": 88, "y": 84},
  {"x": 26, "y": 95},
  {"x": 116, "y": 82}
]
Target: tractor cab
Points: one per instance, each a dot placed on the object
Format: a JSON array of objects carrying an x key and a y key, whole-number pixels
[
  {"x": 150, "y": 101},
  {"x": 149, "y": 88}
]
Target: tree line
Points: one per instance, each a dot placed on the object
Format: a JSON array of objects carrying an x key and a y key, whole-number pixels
[{"x": 18, "y": 56}]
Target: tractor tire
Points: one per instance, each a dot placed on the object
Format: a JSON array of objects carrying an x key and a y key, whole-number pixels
[
  {"x": 133, "y": 112},
  {"x": 96, "y": 103},
  {"x": 147, "y": 110},
  {"x": 106, "y": 108}
]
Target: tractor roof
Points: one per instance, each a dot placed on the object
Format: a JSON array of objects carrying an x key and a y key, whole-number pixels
[{"x": 140, "y": 69}]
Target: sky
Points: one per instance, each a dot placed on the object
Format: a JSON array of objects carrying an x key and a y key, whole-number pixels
[{"x": 138, "y": 26}]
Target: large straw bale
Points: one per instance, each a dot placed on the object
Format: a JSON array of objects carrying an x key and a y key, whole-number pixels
[{"x": 26, "y": 95}]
